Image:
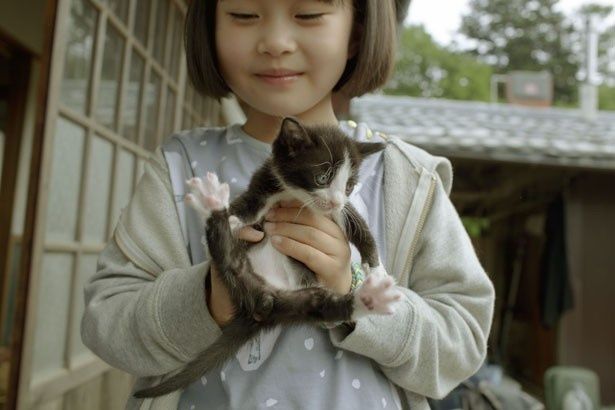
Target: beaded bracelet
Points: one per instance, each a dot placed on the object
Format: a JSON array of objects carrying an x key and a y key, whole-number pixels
[{"x": 358, "y": 277}]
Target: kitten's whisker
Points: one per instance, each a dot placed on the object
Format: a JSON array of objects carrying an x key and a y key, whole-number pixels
[
  {"x": 322, "y": 163},
  {"x": 327, "y": 146},
  {"x": 312, "y": 201}
]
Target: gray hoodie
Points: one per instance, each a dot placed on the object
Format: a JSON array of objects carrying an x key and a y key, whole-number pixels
[{"x": 145, "y": 311}]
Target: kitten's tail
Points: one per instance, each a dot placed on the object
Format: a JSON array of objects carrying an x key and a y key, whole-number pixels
[{"x": 234, "y": 335}]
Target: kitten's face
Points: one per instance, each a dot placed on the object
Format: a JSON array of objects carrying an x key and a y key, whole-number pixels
[{"x": 319, "y": 165}]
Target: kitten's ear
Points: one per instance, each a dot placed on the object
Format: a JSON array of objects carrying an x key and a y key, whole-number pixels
[
  {"x": 293, "y": 137},
  {"x": 368, "y": 148}
]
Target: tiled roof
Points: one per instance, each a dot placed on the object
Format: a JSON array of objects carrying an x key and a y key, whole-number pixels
[{"x": 468, "y": 129}]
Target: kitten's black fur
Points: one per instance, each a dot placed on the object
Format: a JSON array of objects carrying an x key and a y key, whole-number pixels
[{"x": 299, "y": 154}]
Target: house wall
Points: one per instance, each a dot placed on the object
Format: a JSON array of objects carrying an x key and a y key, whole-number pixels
[{"x": 587, "y": 332}]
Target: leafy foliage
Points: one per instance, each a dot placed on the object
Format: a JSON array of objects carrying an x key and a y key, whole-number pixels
[
  {"x": 426, "y": 69},
  {"x": 525, "y": 35}
]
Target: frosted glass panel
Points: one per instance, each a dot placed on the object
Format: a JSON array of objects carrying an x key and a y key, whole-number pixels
[
  {"x": 141, "y": 18},
  {"x": 170, "y": 113},
  {"x": 106, "y": 108},
  {"x": 123, "y": 183},
  {"x": 186, "y": 120},
  {"x": 98, "y": 190},
  {"x": 78, "y": 59},
  {"x": 65, "y": 180},
  {"x": 130, "y": 114},
  {"x": 119, "y": 8},
  {"x": 152, "y": 100},
  {"x": 85, "y": 270},
  {"x": 188, "y": 92},
  {"x": 160, "y": 30},
  {"x": 52, "y": 315},
  {"x": 176, "y": 42}
]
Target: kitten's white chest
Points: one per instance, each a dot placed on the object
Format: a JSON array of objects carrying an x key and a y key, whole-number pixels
[{"x": 273, "y": 266}]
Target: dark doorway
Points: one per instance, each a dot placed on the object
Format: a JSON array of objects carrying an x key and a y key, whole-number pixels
[{"x": 15, "y": 65}]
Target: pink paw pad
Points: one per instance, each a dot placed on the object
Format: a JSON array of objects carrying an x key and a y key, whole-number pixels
[
  {"x": 207, "y": 194},
  {"x": 377, "y": 295}
]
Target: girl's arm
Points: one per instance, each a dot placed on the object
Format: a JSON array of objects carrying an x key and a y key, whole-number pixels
[
  {"x": 438, "y": 335},
  {"x": 145, "y": 308},
  {"x": 146, "y": 325}
]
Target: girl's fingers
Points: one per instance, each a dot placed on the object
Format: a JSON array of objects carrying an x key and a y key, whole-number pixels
[
  {"x": 314, "y": 259},
  {"x": 304, "y": 216},
  {"x": 247, "y": 233},
  {"x": 307, "y": 235}
]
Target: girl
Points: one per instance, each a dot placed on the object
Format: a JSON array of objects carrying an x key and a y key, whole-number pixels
[{"x": 156, "y": 301}]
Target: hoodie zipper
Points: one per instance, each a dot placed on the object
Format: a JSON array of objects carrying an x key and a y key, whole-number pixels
[{"x": 420, "y": 224}]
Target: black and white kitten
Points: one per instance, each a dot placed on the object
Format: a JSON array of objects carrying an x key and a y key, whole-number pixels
[{"x": 319, "y": 166}]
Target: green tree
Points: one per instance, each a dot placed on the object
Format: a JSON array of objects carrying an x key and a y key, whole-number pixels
[
  {"x": 426, "y": 69},
  {"x": 525, "y": 35}
]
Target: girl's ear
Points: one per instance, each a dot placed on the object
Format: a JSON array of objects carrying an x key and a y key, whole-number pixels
[
  {"x": 293, "y": 137},
  {"x": 368, "y": 148}
]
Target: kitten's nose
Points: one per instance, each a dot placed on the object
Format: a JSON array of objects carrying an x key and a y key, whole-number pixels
[
  {"x": 335, "y": 204},
  {"x": 338, "y": 200}
]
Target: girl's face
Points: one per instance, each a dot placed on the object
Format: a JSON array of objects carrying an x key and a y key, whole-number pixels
[{"x": 283, "y": 57}]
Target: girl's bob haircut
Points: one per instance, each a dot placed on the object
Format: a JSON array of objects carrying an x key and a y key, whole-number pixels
[{"x": 374, "y": 31}]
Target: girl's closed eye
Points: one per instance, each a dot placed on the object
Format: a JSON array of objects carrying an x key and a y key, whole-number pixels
[
  {"x": 310, "y": 17},
  {"x": 243, "y": 16}
]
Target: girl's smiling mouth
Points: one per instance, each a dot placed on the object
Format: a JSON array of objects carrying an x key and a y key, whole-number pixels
[{"x": 279, "y": 77}]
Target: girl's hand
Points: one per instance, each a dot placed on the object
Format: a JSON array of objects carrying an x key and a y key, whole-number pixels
[
  {"x": 219, "y": 302},
  {"x": 313, "y": 239}
]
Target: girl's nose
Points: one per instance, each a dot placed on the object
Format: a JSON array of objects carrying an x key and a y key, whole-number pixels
[{"x": 276, "y": 39}]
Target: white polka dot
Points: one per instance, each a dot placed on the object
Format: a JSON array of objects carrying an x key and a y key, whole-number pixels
[
  {"x": 309, "y": 343},
  {"x": 338, "y": 355},
  {"x": 203, "y": 380},
  {"x": 223, "y": 159},
  {"x": 373, "y": 173},
  {"x": 203, "y": 143},
  {"x": 192, "y": 407},
  {"x": 356, "y": 384},
  {"x": 193, "y": 164},
  {"x": 203, "y": 240},
  {"x": 384, "y": 402},
  {"x": 234, "y": 180},
  {"x": 322, "y": 374},
  {"x": 222, "y": 376},
  {"x": 271, "y": 402}
]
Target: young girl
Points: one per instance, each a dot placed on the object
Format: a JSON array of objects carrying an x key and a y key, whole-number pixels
[{"x": 156, "y": 301}]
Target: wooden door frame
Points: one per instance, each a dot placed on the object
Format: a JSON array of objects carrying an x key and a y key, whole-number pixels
[{"x": 26, "y": 262}]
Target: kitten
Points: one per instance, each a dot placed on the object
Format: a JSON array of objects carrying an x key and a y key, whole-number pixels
[{"x": 319, "y": 166}]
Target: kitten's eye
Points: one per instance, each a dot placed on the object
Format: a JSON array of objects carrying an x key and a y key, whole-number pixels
[
  {"x": 321, "y": 179},
  {"x": 349, "y": 188}
]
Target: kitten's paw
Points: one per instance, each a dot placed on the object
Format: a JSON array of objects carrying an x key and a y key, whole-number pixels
[
  {"x": 208, "y": 194},
  {"x": 376, "y": 296}
]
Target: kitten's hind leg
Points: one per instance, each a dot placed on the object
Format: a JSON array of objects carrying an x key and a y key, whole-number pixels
[{"x": 313, "y": 304}]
